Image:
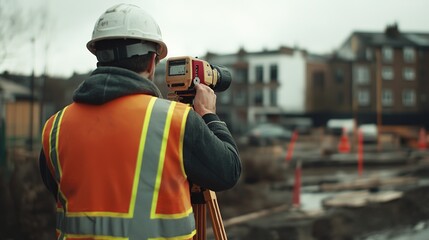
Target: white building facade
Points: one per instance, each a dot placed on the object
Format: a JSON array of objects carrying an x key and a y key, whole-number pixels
[{"x": 264, "y": 84}]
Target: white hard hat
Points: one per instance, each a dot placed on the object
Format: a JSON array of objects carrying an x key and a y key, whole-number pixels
[{"x": 126, "y": 21}]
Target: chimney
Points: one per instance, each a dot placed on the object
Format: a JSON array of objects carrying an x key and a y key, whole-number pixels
[
  {"x": 241, "y": 52},
  {"x": 392, "y": 31}
]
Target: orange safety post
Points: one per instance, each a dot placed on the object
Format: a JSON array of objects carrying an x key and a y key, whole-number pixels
[
  {"x": 291, "y": 146},
  {"x": 360, "y": 152},
  {"x": 296, "y": 198},
  {"x": 344, "y": 144}
]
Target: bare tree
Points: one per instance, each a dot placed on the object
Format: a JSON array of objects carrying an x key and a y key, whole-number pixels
[
  {"x": 12, "y": 23},
  {"x": 20, "y": 23}
]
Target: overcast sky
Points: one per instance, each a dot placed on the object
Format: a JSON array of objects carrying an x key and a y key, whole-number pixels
[{"x": 193, "y": 27}]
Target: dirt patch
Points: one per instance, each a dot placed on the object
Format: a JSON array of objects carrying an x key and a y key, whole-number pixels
[
  {"x": 262, "y": 168},
  {"x": 28, "y": 209},
  {"x": 348, "y": 223},
  {"x": 257, "y": 191}
]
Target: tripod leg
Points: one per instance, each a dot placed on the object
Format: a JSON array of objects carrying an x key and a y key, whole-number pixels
[
  {"x": 200, "y": 214},
  {"x": 218, "y": 227}
]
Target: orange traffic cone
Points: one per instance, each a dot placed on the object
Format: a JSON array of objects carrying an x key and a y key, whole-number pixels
[
  {"x": 291, "y": 146},
  {"x": 422, "y": 139},
  {"x": 344, "y": 144}
]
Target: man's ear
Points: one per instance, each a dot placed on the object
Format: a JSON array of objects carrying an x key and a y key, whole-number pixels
[{"x": 152, "y": 65}]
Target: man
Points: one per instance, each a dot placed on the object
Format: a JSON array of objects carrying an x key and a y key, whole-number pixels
[{"x": 119, "y": 159}]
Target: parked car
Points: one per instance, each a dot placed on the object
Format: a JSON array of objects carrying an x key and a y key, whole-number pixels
[
  {"x": 369, "y": 133},
  {"x": 302, "y": 125},
  {"x": 267, "y": 134},
  {"x": 336, "y": 126},
  {"x": 369, "y": 130}
]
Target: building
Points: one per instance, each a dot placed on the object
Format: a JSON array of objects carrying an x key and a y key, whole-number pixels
[
  {"x": 329, "y": 85},
  {"x": 383, "y": 77},
  {"x": 265, "y": 85},
  {"x": 329, "y": 92},
  {"x": 24, "y": 112},
  {"x": 19, "y": 114}
]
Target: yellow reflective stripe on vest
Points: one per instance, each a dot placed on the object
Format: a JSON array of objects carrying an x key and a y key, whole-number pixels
[
  {"x": 94, "y": 237},
  {"x": 53, "y": 144},
  {"x": 141, "y": 222},
  {"x": 54, "y": 157},
  {"x": 169, "y": 227},
  {"x": 161, "y": 159},
  {"x": 142, "y": 145}
]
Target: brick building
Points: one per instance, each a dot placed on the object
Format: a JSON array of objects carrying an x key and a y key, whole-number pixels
[{"x": 375, "y": 76}]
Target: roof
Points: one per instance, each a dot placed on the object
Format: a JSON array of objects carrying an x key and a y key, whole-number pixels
[
  {"x": 10, "y": 89},
  {"x": 318, "y": 57},
  {"x": 242, "y": 52},
  {"x": 399, "y": 40}
]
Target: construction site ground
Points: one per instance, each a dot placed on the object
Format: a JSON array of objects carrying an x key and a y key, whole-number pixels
[{"x": 387, "y": 200}]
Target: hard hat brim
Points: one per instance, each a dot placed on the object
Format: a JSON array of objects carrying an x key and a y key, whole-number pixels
[{"x": 162, "y": 52}]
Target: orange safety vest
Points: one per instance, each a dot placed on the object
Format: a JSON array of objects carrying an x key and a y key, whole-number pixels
[{"x": 119, "y": 169}]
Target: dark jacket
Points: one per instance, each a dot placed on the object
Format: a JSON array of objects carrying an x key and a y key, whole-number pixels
[{"x": 211, "y": 158}]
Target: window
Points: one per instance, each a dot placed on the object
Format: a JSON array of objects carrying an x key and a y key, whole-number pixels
[
  {"x": 273, "y": 97},
  {"x": 361, "y": 74},
  {"x": 368, "y": 54},
  {"x": 387, "y": 73},
  {"x": 387, "y": 97},
  {"x": 240, "y": 98},
  {"x": 240, "y": 76},
  {"x": 274, "y": 73},
  {"x": 318, "y": 79},
  {"x": 339, "y": 75},
  {"x": 421, "y": 53},
  {"x": 409, "y": 54},
  {"x": 408, "y": 97},
  {"x": 408, "y": 73},
  {"x": 259, "y": 74},
  {"x": 224, "y": 97},
  {"x": 340, "y": 98},
  {"x": 363, "y": 97},
  {"x": 387, "y": 53},
  {"x": 258, "y": 98}
]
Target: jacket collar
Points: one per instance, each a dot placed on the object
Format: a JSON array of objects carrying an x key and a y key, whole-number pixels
[{"x": 108, "y": 83}]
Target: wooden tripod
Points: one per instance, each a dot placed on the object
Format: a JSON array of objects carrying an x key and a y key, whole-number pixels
[{"x": 200, "y": 199}]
